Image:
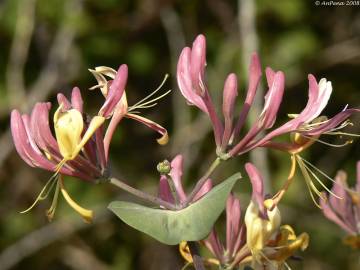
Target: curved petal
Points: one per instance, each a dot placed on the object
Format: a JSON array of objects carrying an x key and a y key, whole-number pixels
[
  {"x": 185, "y": 81},
  {"x": 257, "y": 183},
  {"x": 116, "y": 91},
  {"x": 164, "y": 190},
  {"x": 198, "y": 62},
  {"x": 206, "y": 187},
  {"x": 273, "y": 98},
  {"x": 332, "y": 123},
  {"x": 176, "y": 175},
  {"x": 330, "y": 214},
  {"x": 151, "y": 124},
  {"x": 254, "y": 79},
  {"x": 76, "y": 99}
]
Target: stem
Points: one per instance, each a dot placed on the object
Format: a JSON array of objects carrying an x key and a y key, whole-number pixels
[
  {"x": 173, "y": 191},
  {"x": 142, "y": 195},
  {"x": 202, "y": 180},
  {"x": 197, "y": 260}
]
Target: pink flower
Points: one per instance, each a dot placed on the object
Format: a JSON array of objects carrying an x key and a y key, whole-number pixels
[
  {"x": 80, "y": 146},
  {"x": 342, "y": 206},
  {"x": 38, "y": 147}
]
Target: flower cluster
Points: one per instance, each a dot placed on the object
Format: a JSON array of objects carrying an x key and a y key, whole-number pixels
[{"x": 191, "y": 81}]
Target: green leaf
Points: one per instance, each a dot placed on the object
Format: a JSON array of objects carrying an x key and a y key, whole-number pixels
[{"x": 192, "y": 223}]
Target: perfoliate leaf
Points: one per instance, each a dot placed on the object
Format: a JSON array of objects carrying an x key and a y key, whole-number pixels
[{"x": 192, "y": 223}]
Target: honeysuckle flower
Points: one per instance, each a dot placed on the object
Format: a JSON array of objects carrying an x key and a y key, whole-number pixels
[
  {"x": 345, "y": 211},
  {"x": 261, "y": 223},
  {"x": 116, "y": 104},
  {"x": 269, "y": 243},
  {"x": 76, "y": 150},
  {"x": 170, "y": 184},
  {"x": 80, "y": 147}
]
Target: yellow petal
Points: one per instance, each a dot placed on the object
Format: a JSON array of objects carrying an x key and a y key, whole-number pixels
[
  {"x": 68, "y": 128},
  {"x": 259, "y": 230},
  {"x": 164, "y": 139},
  {"x": 185, "y": 252},
  {"x": 95, "y": 123},
  {"x": 284, "y": 252},
  {"x": 86, "y": 214}
]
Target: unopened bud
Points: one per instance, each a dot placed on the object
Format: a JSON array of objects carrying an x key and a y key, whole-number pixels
[{"x": 164, "y": 167}]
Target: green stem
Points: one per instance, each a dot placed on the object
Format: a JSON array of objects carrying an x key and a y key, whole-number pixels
[
  {"x": 173, "y": 191},
  {"x": 202, "y": 180},
  {"x": 142, "y": 195}
]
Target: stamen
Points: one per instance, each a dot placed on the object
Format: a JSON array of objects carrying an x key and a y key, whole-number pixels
[
  {"x": 326, "y": 176},
  {"x": 143, "y": 103},
  {"x": 321, "y": 183},
  {"x": 51, "y": 211},
  {"x": 342, "y": 134},
  {"x": 310, "y": 185},
  {"x": 326, "y": 143},
  {"x": 44, "y": 193}
]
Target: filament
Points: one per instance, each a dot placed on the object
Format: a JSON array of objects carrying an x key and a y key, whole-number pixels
[
  {"x": 44, "y": 193},
  {"x": 145, "y": 102}
]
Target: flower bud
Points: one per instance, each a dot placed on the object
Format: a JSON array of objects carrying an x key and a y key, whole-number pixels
[
  {"x": 260, "y": 230},
  {"x": 164, "y": 167}
]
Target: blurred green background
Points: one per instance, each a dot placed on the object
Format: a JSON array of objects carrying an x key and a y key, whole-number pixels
[{"x": 47, "y": 47}]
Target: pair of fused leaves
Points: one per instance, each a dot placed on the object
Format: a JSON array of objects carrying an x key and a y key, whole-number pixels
[{"x": 192, "y": 223}]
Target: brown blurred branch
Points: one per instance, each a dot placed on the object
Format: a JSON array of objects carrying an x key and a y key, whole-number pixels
[
  {"x": 82, "y": 258},
  {"x": 37, "y": 240},
  {"x": 19, "y": 51}
]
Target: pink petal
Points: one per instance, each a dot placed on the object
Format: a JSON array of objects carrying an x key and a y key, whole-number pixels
[
  {"x": 214, "y": 245},
  {"x": 332, "y": 122},
  {"x": 116, "y": 91},
  {"x": 151, "y": 124},
  {"x": 164, "y": 190},
  {"x": 229, "y": 97},
  {"x": 233, "y": 215},
  {"x": 176, "y": 175},
  {"x": 76, "y": 99},
  {"x": 185, "y": 81},
  {"x": 343, "y": 207},
  {"x": 203, "y": 190},
  {"x": 198, "y": 62},
  {"x": 64, "y": 101},
  {"x": 273, "y": 99},
  {"x": 40, "y": 129},
  {"x": 257, "y": 184},
  {"x": 329, "y": 213},
  {"x": 254, "y": 79}
]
